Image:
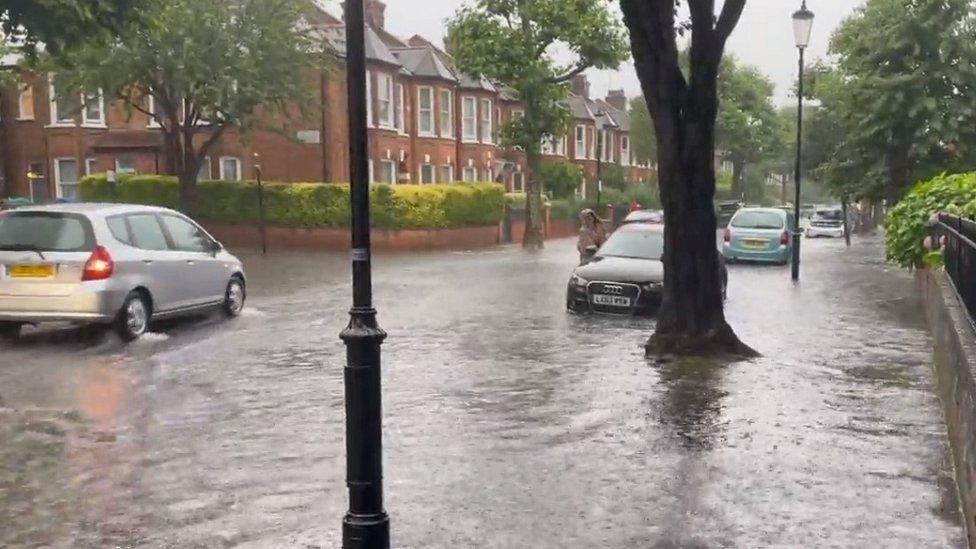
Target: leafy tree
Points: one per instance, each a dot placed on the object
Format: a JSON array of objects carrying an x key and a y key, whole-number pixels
[
  {"x": 642, "y": 138},
  {"x": 62, "y": 23},
  {"x": 900, "y": 95},
  {"x": 684, "y": 109},
  {"x": 208, "y": 66},
  {"x": 614, "y": 177},
  {"x": 511, "y": 42},
  {"x": 748, "y": 127},
  {"x": 561, "y": 178}
]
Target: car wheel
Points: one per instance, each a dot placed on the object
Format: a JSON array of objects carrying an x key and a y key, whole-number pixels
[
  {"x": 234, "y": 297},
  {"x": 134, "y": 317},
  {"x": 10, "y": 331}
]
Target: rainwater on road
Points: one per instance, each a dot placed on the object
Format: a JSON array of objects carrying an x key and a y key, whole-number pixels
[{"x": 508, "y": 422}]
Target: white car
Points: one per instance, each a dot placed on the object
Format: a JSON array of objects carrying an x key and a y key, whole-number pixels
[{"x": 826, "y": 223}]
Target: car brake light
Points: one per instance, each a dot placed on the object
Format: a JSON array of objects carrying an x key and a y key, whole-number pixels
[
  {"x": 99, "y": 266},
  {"x": 784, "y": 239},
  {"x": 727, "y": 235}
]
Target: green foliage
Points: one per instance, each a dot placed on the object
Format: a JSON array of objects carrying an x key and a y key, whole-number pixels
[
  {"x": 312, "y": 205},
  {"x": 899, "y": 97},
  {"x": 906, "y": 223},
  {"x": 561, "y": 178},
  {"x": 515, "y": 44},
  {"x": 614, "y": 177},
  {"x": 515, "y": 201},
  {"x": 642, "y": 137},
  {"x": 747, "y": 127},
  {"x": 208, "y": 65},
  {"x": 562, "y": 209},
  {"x": 61, "y": 24}
]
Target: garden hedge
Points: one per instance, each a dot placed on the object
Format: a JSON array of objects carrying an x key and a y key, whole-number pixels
[
  {"x": 906, "y": 224},
  {"x": 313, "y": 205}
]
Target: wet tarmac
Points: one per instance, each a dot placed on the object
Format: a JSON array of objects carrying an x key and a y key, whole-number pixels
[{"x": 508, "y": 422}]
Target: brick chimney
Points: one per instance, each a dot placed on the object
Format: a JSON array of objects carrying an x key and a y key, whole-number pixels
[
  {"x": 617, "y": 99},
  {"x": 580, "y": 85},
  {"x": 376, "y": 14}
]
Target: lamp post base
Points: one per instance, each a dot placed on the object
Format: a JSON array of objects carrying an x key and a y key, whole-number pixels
[{"x": 366, "y": 532}]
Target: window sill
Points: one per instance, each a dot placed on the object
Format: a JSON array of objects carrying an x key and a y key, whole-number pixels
[
  {"x": 62, "y": 125},
  {"x": 427, "y": 135},
  {"x": 24, "y": 119},
  {"x": 470, "y": 141},
  {"x": 95, "y": 125}
]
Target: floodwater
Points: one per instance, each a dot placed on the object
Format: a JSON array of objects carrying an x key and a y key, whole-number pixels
[{"x": 508, "y": 422}]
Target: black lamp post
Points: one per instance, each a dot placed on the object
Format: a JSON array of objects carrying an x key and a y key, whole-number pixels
[
  {"x": 802, "y": 25},
  {"x": 261, "y": 227},
  {"x": 366, "y": 524}
]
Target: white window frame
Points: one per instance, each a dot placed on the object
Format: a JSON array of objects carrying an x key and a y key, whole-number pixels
[
  {"x": 420, "y": 173},
  {"x": 120, "y": 171},
  {"x": 473, "y": 170},
  {"x": 519, "y": 178},
  {"x": 384, "y": 96},
  {"x": 240, "y": 174},
  {"x": 466, "y": 118},
  {"x": 427, "y": 113},
  {"x": 57, "y": 175},
  {"x": 561, "y": 146},
  {"x": 447, "y": 173},
  {"x": 580, "y": 151},
  {"x": 90, "y": 165},
  {"x": 485, "y": 116},
  {"x": 369, "y": 99},
  {"x": 99, "y": 121},
  {"x": 401, "y": 120},
  {"x": 393, "y": 171},
  {"x": 206, "y": 162},
  {"x": 548, "y": 145},
  {"x": 55, "y": 121},
  {"x": 625, "y": 150},
  {"x": 446, "y": 111},
  {"x": 591, "y": 153},
  {"x": 27, "y": 92}
]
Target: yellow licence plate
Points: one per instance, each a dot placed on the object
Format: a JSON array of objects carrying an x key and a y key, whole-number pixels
[
  {"x": 758, "y": 244},
  {"x": 30, "y": 271}
]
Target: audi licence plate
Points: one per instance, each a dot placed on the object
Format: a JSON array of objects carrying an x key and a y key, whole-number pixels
[{"x": 611, "y": 300}]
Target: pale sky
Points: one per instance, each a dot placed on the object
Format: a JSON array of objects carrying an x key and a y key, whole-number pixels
[{"x": 764, "y": 37}]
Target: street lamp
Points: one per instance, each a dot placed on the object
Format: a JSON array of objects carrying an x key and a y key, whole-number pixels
[
  {"x": 259, "y": 172},
  {"x": 366, "y": 525},
  {"x": 802, "y": 25}
]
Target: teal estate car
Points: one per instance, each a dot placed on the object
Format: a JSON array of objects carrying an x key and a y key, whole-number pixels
[{"x": 762, "y": 235}]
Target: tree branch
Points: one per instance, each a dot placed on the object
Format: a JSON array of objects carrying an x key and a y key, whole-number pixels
[
  {"x": 581, "y": 68},
  {"x": 731, "y": 13}
]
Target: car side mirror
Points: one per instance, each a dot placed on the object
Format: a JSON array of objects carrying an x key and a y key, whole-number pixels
[
  {"x": 591, "y": 249},
  {"x": 216, "y": 246}
]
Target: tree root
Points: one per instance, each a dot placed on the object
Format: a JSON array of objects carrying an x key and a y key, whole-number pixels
[{"x": 720, "y": 342}]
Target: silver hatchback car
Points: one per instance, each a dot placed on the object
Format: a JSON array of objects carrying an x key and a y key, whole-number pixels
[{"x": 110, "y": 264}]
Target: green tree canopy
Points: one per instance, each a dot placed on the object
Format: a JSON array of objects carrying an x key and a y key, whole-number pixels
[
  {"x": 513, "y": 43},
  {"x": 644, "y": 142},
  {"x": 747, "y": 127},
  {"x": 62, "y": 23},
  {"x": 900, "y": 95},
  {"x": 203, "y": 67}
]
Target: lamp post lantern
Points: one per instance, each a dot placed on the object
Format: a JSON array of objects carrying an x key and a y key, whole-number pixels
[
  {"x": 366, "y": 525},
  {"x": 802, "y": 25}
]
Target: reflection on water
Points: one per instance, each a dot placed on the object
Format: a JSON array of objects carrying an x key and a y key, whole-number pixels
[{"x": 508, "y": 423}]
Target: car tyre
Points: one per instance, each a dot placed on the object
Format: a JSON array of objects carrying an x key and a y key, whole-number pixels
[
  {"x": 234, "y": 297},
  {"x": 10, "y": 331},
  {"x": 133, "y": 319}
]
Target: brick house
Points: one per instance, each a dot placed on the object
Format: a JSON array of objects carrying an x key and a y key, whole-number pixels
[{"x": 428, "y": 123}]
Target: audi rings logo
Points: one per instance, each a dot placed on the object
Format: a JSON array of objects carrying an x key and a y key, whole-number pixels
[{"x": 613, "y": 290}]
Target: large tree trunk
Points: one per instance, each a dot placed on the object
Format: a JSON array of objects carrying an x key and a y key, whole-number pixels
[
  {"x": 691, "y": 320},
  {"x": 533, "y": 239}
]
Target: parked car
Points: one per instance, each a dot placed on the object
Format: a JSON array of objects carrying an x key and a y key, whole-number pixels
[
  {"x": 828, "y": 222},
  {"x": 806, "y": 210},
  {"x": 626, "y": 275},
  {"x": 761, "y": 235},
  {"x": 725, "y": 211},
  {"x": 645, "y": 216},
  {"x": 111, "y": 265}
]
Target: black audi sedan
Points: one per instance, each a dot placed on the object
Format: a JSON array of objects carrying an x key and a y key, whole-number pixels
[{"x": 625, "y": 276}]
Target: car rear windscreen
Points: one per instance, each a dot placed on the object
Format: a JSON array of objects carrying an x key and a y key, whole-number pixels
[
  {"x": 758, "y": 220},
  {"x": 830, "y": 215},
  {"x": 45, "y": 231},
  {"x": 635, "y": 244}
]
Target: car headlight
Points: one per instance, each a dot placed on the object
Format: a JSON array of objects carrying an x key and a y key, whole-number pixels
[
  {"x": 652, "y": 286},
  {"x": 578, "y": 281}
]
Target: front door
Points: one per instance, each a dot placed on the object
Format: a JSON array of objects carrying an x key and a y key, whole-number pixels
[{"x": 205, "y": 273}]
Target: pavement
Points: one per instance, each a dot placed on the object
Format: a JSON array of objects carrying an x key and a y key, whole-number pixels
[{"x": 508, "y": 422}]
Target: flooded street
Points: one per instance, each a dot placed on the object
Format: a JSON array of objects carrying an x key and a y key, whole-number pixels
[{"x": 508, "y": 422}]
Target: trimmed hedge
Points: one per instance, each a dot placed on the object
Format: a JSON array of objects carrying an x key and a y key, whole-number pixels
[
  {"x": 905, "y": 228},
  {"x": 313, "y": 205}
]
